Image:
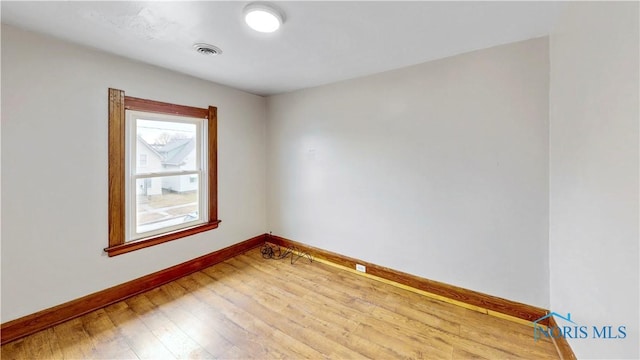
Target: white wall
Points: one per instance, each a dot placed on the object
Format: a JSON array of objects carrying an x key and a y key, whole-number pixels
[
  {"x": 54, "y": 169},
  {"x": 594, "y": 173},
  {"x": 439, "y": 170}
]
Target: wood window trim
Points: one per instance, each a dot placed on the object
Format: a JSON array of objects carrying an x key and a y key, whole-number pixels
[{"x": 118, "y": 104}]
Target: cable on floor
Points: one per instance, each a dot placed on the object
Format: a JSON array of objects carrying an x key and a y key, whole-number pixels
[{"x": 274, "y": 252}]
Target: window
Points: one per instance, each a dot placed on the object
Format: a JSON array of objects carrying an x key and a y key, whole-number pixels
[{"x": 162, "y": 172}]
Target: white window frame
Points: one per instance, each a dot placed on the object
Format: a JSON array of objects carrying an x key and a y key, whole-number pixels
[{"x": 131, "y": 175}]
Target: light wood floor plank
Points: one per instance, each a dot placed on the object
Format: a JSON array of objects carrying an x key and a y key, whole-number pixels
[
  {"x": 192, "y": 326},
  {"x": 171, "y": 336},
  {"x": 264, "y": 322},
  {"x": 107, "y": 342},
  {"x": 38, "y": 346},
  {"x": 74, "y": 342},
  {"x": 342, "y": 320},
  {"x": 248, "y": 336},
  {"x": 307, "y": 329},
  {"x": 135, "y": 333},
  {"x": 14, "y": 350},
  {"x": 361, "y": 311},
  {"x": 251, "y": 308}
]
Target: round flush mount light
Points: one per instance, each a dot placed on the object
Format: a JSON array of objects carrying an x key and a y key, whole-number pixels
[
  {"x": 263, "y": 17},
  {"x": 207, "y": 49}
]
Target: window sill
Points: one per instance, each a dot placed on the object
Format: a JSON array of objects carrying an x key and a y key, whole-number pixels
[{"x": 143, "y": 243}]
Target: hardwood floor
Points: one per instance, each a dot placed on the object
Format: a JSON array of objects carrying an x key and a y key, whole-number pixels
[{"x": 248, "y": 307}]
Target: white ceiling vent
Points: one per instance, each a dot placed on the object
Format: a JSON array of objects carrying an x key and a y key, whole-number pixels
[{"x": 206, "y": 49}]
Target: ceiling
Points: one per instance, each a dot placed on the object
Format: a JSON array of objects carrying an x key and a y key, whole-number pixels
[{"x": 320, "y": 42}]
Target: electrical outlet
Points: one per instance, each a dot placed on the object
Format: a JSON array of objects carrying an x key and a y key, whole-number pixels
[{"x": 361, "y": 268}]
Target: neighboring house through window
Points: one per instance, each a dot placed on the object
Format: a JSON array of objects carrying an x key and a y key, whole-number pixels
[
  {"x": 162, "y": 172},
  {"x": 142, "y": 160}
]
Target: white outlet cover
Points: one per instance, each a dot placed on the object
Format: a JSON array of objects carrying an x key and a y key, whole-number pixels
[{"x": 361, "y": 268}]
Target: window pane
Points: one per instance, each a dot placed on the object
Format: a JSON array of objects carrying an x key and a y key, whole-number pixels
[
  {"x": 166, "y": 202},
  {"x": 166, "y": 146}
]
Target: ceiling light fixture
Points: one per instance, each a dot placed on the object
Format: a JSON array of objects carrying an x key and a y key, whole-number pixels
[{"x": 263, "y": 17}]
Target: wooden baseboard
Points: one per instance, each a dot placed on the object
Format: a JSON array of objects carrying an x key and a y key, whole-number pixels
[
  {"x": 478, "y": 301},
  {"x": 27, "y": 325},
  {"x": 562, "y": 346}
]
